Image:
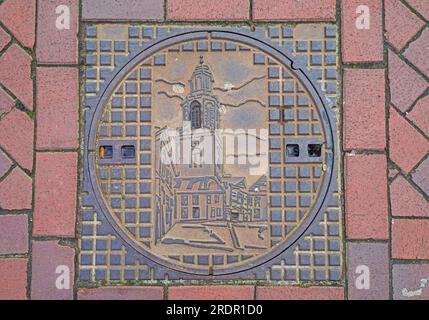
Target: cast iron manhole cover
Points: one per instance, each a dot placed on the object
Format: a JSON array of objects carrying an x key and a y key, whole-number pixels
[{"x": 208, "y": 152}]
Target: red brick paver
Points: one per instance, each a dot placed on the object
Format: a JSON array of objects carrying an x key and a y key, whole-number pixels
[
  {"x": 401, "y": 23},
  {"x": 122, "y": 9},
  {"x": 13, "y": 279},
  {"x": 207, "y": 10},
  {"x": 362, "y": 44},
  {"x": 410, "y": 239},
  {"x": 13, "y": 234},
  {"x": 420, "y": 114},
  {"x": 6, "y": 102},
  {"x": 407, "y": 145},
  {"x": 16, "y": 191},
  {"x": 5, "y": 163},
  {"x": 16, "y": 130},
  {"x": 421, "y": 6},
  {"x": 58, "y": 103},
  {"x": 366, "y": 196},
  {"x": 55, "y": 194},
  {"x": 211, "y": 293},
  {"x": 297, "y": 293},
  {"x": 122, "y": 293},
  {"x": 4, "y": 38},
  {"x": 405, "y": 84},
  {"x": 406, "y": 200},
  {"x": 421, "y": 176},
  {"x": 364, "y": 109},
  {"x": 15, "y": 74},
  {"x": 310, "y": 10},
  {"x": 52, "y": 271},
  {"x": 57, "y": 45},
  {"x": 418, "y": 51},
  {"x": 19, "y": 16}
]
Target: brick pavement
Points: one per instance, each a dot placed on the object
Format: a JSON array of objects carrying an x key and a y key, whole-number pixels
[{"x": 384, "y": 126}]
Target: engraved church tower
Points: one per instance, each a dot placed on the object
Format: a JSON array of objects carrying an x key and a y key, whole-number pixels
[
  {"x": 200, "y": 107},
  {"x": 201, "y": 113}
]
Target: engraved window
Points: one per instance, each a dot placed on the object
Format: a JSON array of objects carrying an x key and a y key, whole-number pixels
[
  {"x": 196, "y": 213},
  {"x": 184, "y": 213},
  {"x": 196, "y": 115},
  {"x": 195, "y": 200}
]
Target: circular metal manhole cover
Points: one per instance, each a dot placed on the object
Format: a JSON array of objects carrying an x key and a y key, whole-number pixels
[{"x": 212, "y": 154}]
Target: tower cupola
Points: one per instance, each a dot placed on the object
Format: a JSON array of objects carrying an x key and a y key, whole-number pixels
[{"x": 202, "y": 79}]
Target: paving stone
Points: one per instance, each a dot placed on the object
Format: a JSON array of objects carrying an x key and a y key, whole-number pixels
[
  {"x": 5, "y": 164},
  {"x": 207, "y": 10},
  {"x": 418, "y": 51},
  {"x": 57, "y": 45},
  {"x": 17, "y": 132},
  {"x": 421, "y": 176},
  {"x": 420, "y": 114},
  {"x": 15, "y": 74},
  {"x": 55, "y": 194},
  {"x": 410, "y": 239},
  {"x": 407, "y": 145},
  {"x": 366, "y": 196},
  {"x": 401, "y": 24},
  {"x": 13, "y": 234},
  {"x": 211, "y": 293},
  {"x": 407, "y": 201},
  {"x": 364, "y": 109},
  {"x": 289, "y": 10},
  {"x": 6, "y": 102},
  {"x": 298, "y": 293},
  {"x": 410, "y": 281},
  {"x": 405, "y": 84},
  {"x": 368, "y": 257},
  {"x": 121, "y": 293},
  {"x": 421, "y": 6},
  {"x": 52, "y": 271},
  {"x": 4, "y": 38},
  {"x": 122, "y": 9},
  {"x": 13, "y": 279},
  {"x": 19, "y": 16},
  {"x": 16, "y": 191},
  {"x": 361, "y": 44},
  {"x": 58, "y": 103}
]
